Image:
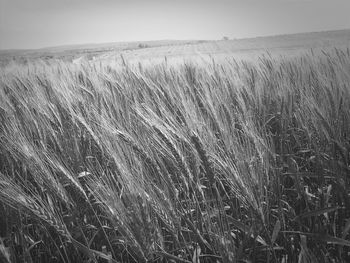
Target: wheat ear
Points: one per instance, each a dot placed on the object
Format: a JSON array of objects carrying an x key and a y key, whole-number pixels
[{"x": 180, "y": 160}]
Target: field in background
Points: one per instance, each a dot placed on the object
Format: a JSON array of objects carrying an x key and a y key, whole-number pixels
[
  {"x": 243, "y": 49},
  {"x": 211, "y": 160},
  {"x": 178, "y": 51},
  {"x": 80, "y": 52}
]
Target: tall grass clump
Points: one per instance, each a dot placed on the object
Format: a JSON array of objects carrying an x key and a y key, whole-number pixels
[{"x": 218, "y": 162}]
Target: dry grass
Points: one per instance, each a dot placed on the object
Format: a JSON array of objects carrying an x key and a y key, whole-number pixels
[{"x": 229, "y": 162}]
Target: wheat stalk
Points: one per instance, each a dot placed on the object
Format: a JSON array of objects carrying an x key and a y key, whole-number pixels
[{"x": 180, "y": 160}]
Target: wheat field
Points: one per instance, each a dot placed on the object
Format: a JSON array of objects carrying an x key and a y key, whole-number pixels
[{"x": 228, "y": 161}]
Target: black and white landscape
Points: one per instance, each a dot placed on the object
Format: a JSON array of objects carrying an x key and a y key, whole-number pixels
[{"x": 174, "y": 131}]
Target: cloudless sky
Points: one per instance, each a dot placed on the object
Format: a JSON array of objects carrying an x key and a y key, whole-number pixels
[{"x": 43, "y": 23}]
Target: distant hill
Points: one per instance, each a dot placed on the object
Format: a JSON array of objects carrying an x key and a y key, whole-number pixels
[
  {"x": 71, "y": 52},
  {"x": 159, "y": 47},
  {"x": 311, "y": 39},
  {"x": 99, "y": 46}
]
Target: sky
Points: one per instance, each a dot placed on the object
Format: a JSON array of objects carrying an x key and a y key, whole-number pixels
[{"x": 44, "y": 23}]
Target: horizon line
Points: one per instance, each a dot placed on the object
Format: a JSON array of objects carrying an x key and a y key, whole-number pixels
[{"x": 157, "y": 40}]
